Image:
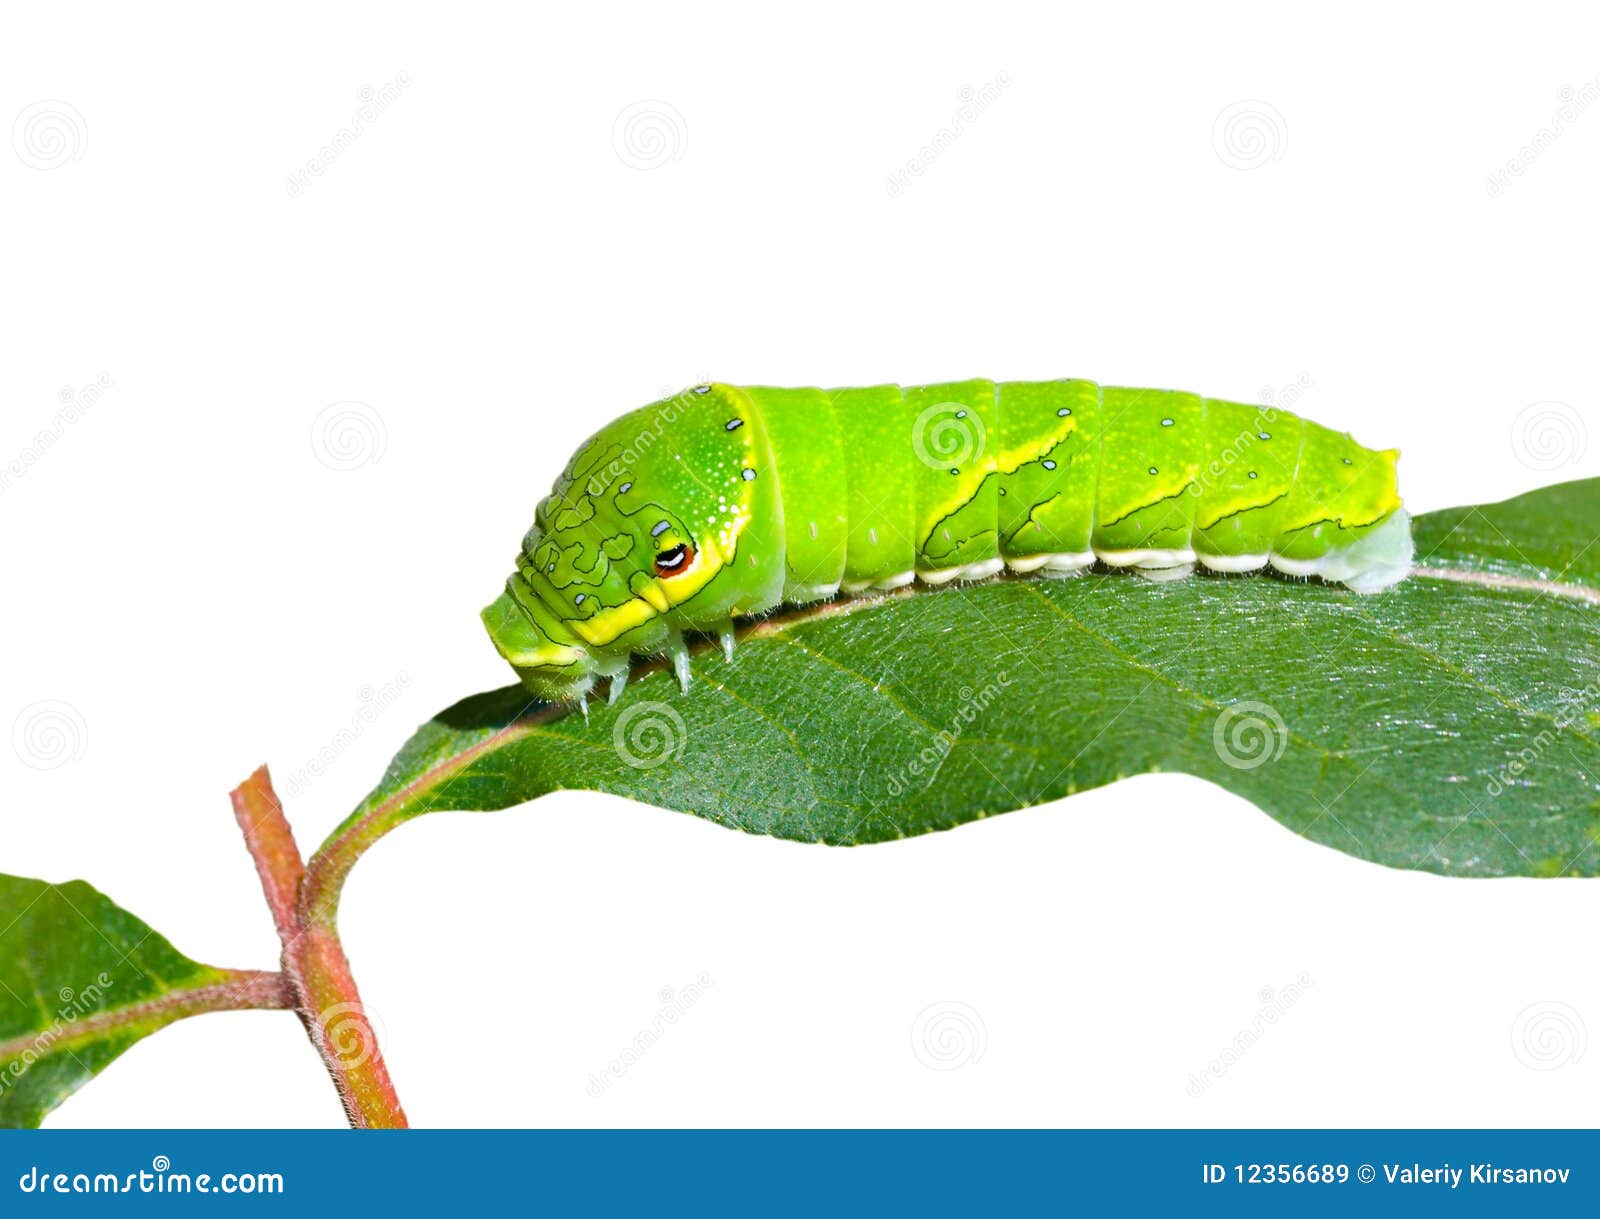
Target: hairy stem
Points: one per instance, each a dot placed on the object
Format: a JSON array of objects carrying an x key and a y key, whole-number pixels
[
  {"x": 233, "y": 990},
  {"x": 259, "y": 812},
  {"x": 318, "y": 974}
]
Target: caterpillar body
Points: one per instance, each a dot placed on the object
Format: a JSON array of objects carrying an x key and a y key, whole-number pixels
[{"x": 725, "y": 502}]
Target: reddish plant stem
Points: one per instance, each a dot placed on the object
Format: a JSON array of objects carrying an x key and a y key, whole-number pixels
[
  {"x": 234, "y": 990},
  {"x": 315, "y": 966},
  {"x": 259, "y": 812}
]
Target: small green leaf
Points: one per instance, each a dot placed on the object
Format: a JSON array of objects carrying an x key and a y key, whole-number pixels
[
  {"x": 1450, "y": 724},
  {"x": 81, "y": 980}
]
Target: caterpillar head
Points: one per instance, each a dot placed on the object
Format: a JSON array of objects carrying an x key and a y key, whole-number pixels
[{"x": 651, "y": 530}]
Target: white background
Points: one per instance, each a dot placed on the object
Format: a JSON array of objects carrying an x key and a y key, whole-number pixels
[{"x": 502, "y": 261}]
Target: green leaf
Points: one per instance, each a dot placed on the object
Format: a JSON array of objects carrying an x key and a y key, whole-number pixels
[
  {"x": 1451, "y": 724},
  {"x": 81, "y": 980}
]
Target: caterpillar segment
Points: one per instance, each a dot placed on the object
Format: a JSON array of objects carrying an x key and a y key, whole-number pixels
[{"x": 723, "y": 503}]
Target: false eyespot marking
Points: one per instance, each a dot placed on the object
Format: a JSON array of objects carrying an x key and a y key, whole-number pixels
[{"x": 674, "y": 561}]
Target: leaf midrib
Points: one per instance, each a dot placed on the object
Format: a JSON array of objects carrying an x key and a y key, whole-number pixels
[
  {"x": 444, "y": 771},
  {"x": 226, "y": 991}
]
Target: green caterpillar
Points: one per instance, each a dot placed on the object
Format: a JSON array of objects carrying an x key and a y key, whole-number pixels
[{"x": 724, "y": 502}]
